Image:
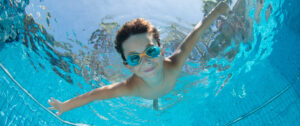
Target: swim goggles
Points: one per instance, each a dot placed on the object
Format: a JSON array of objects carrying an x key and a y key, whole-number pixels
[{"x": 135, "y": 59}]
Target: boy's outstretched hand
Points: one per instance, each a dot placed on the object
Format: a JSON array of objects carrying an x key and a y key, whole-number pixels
[
  {"x": 56, "y": 105},
  {"x": 222, "y": 8}
]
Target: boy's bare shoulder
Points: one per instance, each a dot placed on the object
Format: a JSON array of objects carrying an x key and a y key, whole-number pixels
[
  {"x": 133, "y": 84},
  {"x": 171, "y": 67},
  {"x": 171, "y": 64}
]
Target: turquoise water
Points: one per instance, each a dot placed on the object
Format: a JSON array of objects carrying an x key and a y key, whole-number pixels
[{"x": 243, "y": 71}]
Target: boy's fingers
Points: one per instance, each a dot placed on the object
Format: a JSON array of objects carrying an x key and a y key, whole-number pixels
[
  {"x": 54, "y": 100},
  {"x": 51, "y": 103},
  {"x": 52, "y": 108},
  {"x": 58, "y": 113}
]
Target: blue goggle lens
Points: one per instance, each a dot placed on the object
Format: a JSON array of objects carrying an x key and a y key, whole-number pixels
[
  {"x": 153, "y": 52},
  {"x": 134, "y": 60}
]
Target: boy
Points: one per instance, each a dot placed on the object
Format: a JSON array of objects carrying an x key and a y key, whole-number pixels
[{"x": 153, "y": 74}]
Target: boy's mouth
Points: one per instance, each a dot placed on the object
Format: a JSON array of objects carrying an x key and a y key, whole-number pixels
[{"x": 150, "y": 69}]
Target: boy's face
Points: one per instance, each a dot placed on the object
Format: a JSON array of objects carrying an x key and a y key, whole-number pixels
[{"x": 148, "y": 67}]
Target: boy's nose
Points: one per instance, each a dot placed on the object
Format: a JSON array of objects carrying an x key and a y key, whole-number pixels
[{"x": 146, "y": 60}]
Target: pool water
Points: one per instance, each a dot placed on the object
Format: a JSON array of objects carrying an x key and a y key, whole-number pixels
[{"x": 243, "y": 71}]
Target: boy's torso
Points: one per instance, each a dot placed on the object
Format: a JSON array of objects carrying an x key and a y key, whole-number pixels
[{"x": 168, "y": 83}]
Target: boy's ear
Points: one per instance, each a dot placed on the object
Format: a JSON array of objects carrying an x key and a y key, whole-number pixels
[
  {"x": 129, "y": 67},
  {"x": 163, "y": 51},
  {"x": 126, "y": 65}
]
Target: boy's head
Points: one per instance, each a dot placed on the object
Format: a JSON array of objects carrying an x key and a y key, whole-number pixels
[
  {"x": 133, "y": 27},
  {"x": 134, "y": 41}
]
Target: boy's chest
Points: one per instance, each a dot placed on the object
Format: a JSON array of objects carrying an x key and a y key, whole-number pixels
[{"x": 155, "y": 92}]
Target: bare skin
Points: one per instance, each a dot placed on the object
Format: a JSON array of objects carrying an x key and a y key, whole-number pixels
[{"x": 153, "y": 77}]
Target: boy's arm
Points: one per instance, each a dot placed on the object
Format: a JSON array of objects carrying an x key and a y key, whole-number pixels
[
  {"x": 111, "y": 91},
  {"x": 185, "y": 48}
]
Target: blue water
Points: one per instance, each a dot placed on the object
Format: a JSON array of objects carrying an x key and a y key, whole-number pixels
[{"x": 245, "y": 77}]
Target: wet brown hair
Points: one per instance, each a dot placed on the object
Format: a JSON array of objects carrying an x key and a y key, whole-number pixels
[{"x": 136, "y": 26}]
